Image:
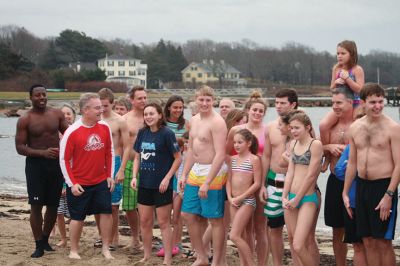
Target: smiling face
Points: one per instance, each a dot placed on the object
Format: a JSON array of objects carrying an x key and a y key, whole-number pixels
[
  {"x": 204, "y": 103},
  {"x": 256, "y": 112},
  {"x": 374, "y": 106},
  {"x": 340, "y": 104},
  {"x": 93, "y": 110},
  {"x": 152, "y": 117},
  {"x": 176, "y": 109},
  {"x": 68, "y": 114},
  {"x": 343, "y": 56},
  {"x": 39, "y": 98}
]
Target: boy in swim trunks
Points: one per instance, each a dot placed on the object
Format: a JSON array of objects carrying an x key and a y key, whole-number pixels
[{"x": 204, "y": 193}]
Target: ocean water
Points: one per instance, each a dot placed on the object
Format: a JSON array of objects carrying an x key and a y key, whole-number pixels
[{"x": 12, "y": 165}]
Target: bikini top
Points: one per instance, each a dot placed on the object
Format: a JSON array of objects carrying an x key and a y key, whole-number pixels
[
  {"x": 303, "y": 159},
  {"x": 246, "y": 166}
]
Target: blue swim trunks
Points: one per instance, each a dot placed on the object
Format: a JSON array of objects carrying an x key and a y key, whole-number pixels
[
  {"x": 116, "y": 195},
  {"x": 210, "y": 207}
]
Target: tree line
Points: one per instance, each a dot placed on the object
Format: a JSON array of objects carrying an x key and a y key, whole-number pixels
[{"x": 25, "y": 57}]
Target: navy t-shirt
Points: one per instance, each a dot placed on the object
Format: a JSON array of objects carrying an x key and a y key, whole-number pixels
[{"x": 156, "y": 155}]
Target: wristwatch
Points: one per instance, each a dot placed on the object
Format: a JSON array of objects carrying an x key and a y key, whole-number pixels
[{"x": 390, "y": 193}]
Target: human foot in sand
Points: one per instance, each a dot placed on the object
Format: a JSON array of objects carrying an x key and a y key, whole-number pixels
[
  {"x": 62, "y": 243},
  {"x": 199, "y": 262},
  {"x": 134, "y": 246},
  {"x": 107, "y": 254},
  {"x": 74, "y": 255},
  {"x": 167, "y": 262},
  {"x": 39, "y": 252}
]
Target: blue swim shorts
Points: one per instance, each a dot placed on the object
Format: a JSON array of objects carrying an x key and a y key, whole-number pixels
[
  {"x": 116, "y": 195},
  {"x": 210, "y": 207}
]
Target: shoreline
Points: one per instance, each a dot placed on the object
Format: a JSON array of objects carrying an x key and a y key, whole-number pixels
[{"x": 17, "y": 242}]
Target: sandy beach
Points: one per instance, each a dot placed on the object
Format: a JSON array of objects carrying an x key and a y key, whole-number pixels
[{"x": 16, "y": 243}]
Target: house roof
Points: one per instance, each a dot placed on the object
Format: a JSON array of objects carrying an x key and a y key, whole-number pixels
[
  {"x": 119, "y": 57},
  {"x": 217, "y": 67}
]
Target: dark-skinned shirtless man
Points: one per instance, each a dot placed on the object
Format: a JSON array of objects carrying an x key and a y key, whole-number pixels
[{"x": 37, "y": 138}]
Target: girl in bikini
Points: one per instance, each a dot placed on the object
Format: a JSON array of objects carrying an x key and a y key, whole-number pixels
[
  {"x": 243, "y": 181},
  {"x": 346, "y": 73},
  {"x": 299, "y": 198}
]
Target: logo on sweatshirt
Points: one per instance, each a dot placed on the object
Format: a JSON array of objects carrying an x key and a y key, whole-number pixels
[{"x": 94, "y": 143}]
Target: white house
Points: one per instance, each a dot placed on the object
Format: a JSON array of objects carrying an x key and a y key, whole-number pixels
[{"x": 124, "y": 69}]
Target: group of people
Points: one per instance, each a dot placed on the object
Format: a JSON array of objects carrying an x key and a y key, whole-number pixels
[{"x": 223, "y": 175}]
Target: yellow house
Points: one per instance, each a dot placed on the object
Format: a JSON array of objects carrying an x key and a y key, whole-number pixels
[{"x": 209, "y": 71}]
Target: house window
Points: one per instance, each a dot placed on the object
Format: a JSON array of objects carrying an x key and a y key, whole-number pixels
[
  {"x": 110, "y": 63},
  {"x": 132, "y": 63},
  {"x": 121, "y": 73},
  {"x": 101, "y": 63},
  {"x": 121, "y": 63},
  {"x": 132, "y": 73},
  {"x": 142, "y": 82},
  {"x": 188, "y": 75},
  {"x": 199, "y": 75},
  {"x": 110, "y": 73}
]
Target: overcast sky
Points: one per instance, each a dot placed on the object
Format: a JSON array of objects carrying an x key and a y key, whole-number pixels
[{"x": 320, "y": 24}]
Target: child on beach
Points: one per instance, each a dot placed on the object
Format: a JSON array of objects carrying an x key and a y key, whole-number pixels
[
  {"x": 300, "y": 199},
  {"x": 157, "y": 157},
  {"x": 62, "y": 211},
  {"x": 243, "y": 181},
  {"x": 345, "y": 73}
]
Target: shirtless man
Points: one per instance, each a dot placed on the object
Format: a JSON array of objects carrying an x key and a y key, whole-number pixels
[
  {"x": 375, "y": 159},
  {"x": 134, "y": 121},
  {"x": 204, "y": 192},
  {"x": 285, "y": 100},
  {"x": 37, "y": 138},
  {"x": 121, "y": 149},
  {"x": 342, "y": 105},
  {"x": 225, "y": 106}
]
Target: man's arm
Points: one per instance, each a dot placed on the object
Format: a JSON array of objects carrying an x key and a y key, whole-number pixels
[
  {"x": 385, "y": 205},
  {"x": 351, "y": 172},
  {"x": 126, "y": 150},
  {"x": 265, "y": 161}
]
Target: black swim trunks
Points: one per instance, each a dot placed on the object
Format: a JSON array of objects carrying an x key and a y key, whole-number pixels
[
  {"x": 153, "y": 197},
  {"x": 350, "y": 228},
  {"x": 334, "y": 207},
  {"x": 368, "y": 195},
  {"x": 44, "y": 181},
  {"x": 95, "y": 200}
]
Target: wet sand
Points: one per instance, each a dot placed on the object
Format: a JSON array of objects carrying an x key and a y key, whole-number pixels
[{"x": 16, "y": 243}]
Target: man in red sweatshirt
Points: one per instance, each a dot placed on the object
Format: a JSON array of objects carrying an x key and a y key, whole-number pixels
[{"x": 87, "y": 162}]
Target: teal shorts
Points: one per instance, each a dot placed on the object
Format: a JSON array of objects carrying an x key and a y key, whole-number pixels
[
  {"x": 307, "y": 198},
  {"x": 116, "y": 195},
  {"x": 210, "y": 207}
]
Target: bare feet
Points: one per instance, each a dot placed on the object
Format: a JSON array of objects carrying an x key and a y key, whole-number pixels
[
  {"x": 166, "y": 262},
  {"x": 199, "y": 262},
  {"x": 107, "y": 254},
  {"x": 74, "y": 255},
  {"x": 134, "y": 246},
  {"x": 62, "y": 244},
  {"x": 143, "y": 260}
]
